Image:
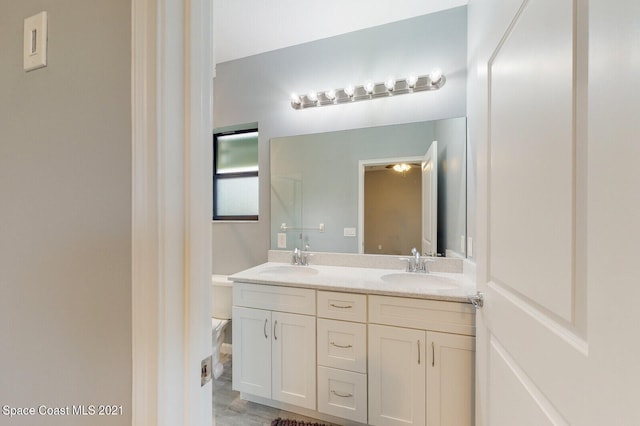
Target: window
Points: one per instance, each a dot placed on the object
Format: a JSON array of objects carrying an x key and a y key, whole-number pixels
[{"x": 235, "y": 175}]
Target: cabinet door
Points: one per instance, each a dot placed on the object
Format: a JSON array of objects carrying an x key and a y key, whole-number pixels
[
  {"x": 294, "y": 359},
  {"x": 396, "y": 376},
  {"x": 252, "y": 351},
  {"x": 450, "y": 379}
]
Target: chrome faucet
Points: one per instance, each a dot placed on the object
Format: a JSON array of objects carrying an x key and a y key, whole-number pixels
[
  {"x": 301, "y": 257},
  {"x": 416, "y": 257},
  {"x": 295, "y": 256},
  {"x": 416, "y": 263}
]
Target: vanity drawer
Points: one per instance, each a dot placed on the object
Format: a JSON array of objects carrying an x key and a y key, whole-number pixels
[
  {"x": 342, "y": 394},
  {"x": 342, "y": 306},
  {"x": 342, "y": 345},
  {"x": 275, "y": 298},
  {"x": 436, "y": 315}
]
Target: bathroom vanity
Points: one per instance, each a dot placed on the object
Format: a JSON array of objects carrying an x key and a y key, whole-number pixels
[{"x": 356, "y": 345}]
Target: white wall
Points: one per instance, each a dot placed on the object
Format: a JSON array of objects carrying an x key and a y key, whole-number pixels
[
  {"x": 257, "y": 89},
  {"x": 613, "y": 227},
  {"x": 65, "y": 212}
]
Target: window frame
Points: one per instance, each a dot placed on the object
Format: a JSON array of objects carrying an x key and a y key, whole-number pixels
[{"x": 221, "y": 176}]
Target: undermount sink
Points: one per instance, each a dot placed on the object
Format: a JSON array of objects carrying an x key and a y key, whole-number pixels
[
  {"x": 290, "y": 270},
  {"x": 422, "y": 280}
]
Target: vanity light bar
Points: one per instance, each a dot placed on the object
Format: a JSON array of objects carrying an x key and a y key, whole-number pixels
[{"x": 370, "y": 90}]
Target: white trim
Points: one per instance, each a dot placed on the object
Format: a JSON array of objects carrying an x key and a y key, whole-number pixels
[
  {"x": 171, "y": 263},
  {"x": 145, "y": 275},
  {"x": 199, "y": 154},
  {"x": 361, "y": 166}
]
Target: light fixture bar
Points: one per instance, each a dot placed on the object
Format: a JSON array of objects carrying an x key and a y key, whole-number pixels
[{"x": 370, "y": 90}]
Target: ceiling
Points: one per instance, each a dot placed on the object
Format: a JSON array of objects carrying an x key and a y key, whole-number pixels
[{"x": 248, "y": 27}]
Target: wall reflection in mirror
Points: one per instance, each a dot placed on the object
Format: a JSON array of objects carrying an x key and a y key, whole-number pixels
[{"x": 345, "y": 181}]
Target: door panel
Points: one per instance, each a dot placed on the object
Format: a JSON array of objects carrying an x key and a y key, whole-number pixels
[
  {"x": 531, "y": 147},
  {"x": 529, "y": 406}
]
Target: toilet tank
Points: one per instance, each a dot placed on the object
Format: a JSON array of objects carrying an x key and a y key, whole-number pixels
[{"x": 221, "y": 296}]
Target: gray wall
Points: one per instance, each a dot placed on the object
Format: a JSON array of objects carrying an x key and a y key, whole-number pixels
[
  {"x": 65, "y": 212},
  {"x": 452, "y": 194},
  {"x": 257, "y": 89}
]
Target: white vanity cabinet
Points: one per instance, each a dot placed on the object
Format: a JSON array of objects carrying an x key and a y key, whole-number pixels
[
  {"x": 421, "y": 357},
  {"x": 274, "y": 338},
  {"x": 351, "y": 358}
]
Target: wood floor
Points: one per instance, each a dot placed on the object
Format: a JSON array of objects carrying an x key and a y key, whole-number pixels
[{"x": 230, "y": 410}]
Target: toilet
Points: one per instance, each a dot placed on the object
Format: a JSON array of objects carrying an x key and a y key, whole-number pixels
[{"x": 221, "y": 301}]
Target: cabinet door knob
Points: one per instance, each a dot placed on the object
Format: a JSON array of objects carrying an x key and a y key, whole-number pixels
[
  {"x": 275, "y": 324},
  {"x": 418, "y": 352},
  {"x": 340, "y": 346},
  {"x": 265, "y": 328}
]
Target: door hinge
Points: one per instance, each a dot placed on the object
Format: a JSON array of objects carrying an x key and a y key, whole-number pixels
[{"x": 477, "y": 300}]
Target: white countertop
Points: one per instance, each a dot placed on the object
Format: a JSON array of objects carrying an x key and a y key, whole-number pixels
[{"x": 360, "y": 280}]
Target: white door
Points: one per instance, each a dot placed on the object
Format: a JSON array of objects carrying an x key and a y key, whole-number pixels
[
  {"x": 252, "y": 351},
  {"x": 557, "y": 153},
  {"x": 294, "y": 359},
  {"x": 396, "y": 376},
  {"x": 430, "y": 200},
  {"x": 531, "y": 330},
  {"x": 450, "y": 379}
]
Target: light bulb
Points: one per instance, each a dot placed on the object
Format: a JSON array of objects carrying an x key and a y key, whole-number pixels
[
  {"x": 349, "y": 90},
  {"x": 330, "y": 94},
  {"x": 295, "y": 99},
  {"x": 412, "y": 80},
  {"x": 435, "y": 75},
  {"x": 313, "y": 96},
  {"x": 390, "y": 84},
  {"x": 403, "y": 167},
  {"x": 368, "y": 87}
]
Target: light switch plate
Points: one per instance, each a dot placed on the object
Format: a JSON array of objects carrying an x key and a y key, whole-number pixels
[
  {"x": 35, "y": 42},
  {"x": 282, "y": 240},
  {"x": 349, "y": 232}
]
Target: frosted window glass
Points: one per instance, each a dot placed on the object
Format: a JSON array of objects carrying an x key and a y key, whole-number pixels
[
  {"x": 237, "y": 196},
  {"x": 237, "y": 153}
]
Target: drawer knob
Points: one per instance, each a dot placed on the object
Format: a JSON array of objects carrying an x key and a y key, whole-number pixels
[
  {"x": 340, "y": 346},
  {"x": 341, "y": 395},
  {"x": 340, "y": 307}
]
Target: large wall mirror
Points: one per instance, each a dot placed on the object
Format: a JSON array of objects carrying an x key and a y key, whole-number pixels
[{"x": 339, "y": 191}]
